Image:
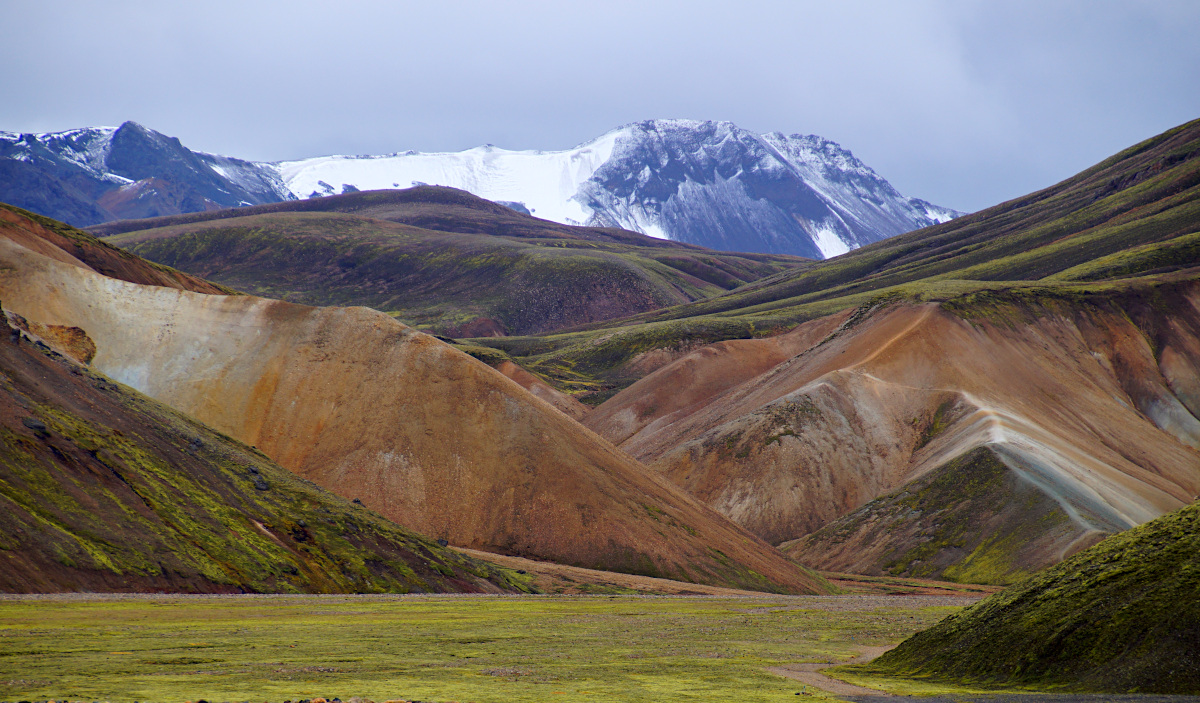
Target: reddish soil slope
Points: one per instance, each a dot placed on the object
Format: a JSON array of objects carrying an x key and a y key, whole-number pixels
[
  {"x": 563, "y": 402},
  {"x": 1086, "y": 409},
  {"x": 424, "y": 434}
]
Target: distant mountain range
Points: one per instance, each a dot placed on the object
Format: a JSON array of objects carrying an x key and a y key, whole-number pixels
[
  {"x": 98, "y": 174},
  {"x": 708, "y": 183}
]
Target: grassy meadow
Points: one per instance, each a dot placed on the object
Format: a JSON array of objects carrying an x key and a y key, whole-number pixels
[{"x": 437, "y": 648}]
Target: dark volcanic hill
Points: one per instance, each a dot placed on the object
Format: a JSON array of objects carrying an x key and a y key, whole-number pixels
[
  {"x": 370, "y": 409},
  {"x": 428, "y": 207},
  {"x": 1120, "y": 617},
  {"x": 103, "y": 489},
  {"x": 439, "y": 259}
]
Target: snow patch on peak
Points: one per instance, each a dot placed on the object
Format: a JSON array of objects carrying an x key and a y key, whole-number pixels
[
  {"x": 545, "y": 181},
  {"x": 828, "y": 241},
  {"x": 704, "y": 182}
]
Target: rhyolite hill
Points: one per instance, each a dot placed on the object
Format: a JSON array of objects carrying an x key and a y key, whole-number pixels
[
  {"x": 104, "y": 489},
  {"x": 975, "y": 400},
  {"x": 372, "y": 410}
]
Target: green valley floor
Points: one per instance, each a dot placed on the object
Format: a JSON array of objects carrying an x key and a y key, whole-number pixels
[
  {"x": 85, "y": 647},
  {"x": 438, "y": 648}
]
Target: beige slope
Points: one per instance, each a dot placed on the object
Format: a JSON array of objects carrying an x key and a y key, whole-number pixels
[
  {"x": 370, "y": 409},
  {"x": 1073, "y": 401}
]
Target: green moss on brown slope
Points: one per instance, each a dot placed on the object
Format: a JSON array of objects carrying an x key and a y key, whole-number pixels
[
  {"x": 1123, "y": 616},
  {"x": 103, "y": 489},
  {"x": 972, "y": 520}
]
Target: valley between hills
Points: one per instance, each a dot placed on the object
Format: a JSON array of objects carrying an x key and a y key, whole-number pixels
[{"x": 370, "y": 393}]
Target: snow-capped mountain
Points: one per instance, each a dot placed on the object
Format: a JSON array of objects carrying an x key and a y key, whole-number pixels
[
  {"x": 708, "y": 183},
  {"x": 91, "y": 175}
]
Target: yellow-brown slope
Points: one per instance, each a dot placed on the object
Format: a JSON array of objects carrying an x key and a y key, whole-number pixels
[{"x": 370, "y": 409}]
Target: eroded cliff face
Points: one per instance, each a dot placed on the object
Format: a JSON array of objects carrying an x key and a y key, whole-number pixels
[
  {"x": 370, "y": 409},
  {"x": 1088, "y": 407}
]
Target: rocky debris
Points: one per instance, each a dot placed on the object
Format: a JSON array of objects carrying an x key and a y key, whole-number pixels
[{"x": 34, "y": 424}]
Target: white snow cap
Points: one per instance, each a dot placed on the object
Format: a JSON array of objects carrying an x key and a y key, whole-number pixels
[{"x": 631, "y": 177}]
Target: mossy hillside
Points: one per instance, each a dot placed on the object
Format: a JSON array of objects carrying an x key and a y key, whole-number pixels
[
  {"x": 596, "y": 361},
  {"x": 581, "y": 361},
  {"x": 447, "y": 210},
  {"x": 1149, "y": 258},
  {"x": 104, "y": 488},
  {"x": 594, "y": 365},
  {"x": 1122, "y": 616},
  {"x": 437, "y": 280},
  {"x": 971, "y": 520},
  {"x": 581, "y": 648}
]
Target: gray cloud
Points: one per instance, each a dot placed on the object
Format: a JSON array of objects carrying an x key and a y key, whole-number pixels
[{"x": 961, "y": 102}]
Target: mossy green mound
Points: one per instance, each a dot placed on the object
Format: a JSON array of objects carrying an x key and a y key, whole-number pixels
[
  {"x": 441, "y": 260},
  {"x": 1123, "y": 616}
]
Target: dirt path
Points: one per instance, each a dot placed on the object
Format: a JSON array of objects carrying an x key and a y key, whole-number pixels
[
  {"x": 810, "y": 674},
  {"x": 921, "y": 318}
]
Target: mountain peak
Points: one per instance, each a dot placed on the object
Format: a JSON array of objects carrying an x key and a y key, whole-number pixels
[
  {"x": 85, "y": 175},
  {"x": 134, "y": 126},
  {"x": 703, "y": 182}
]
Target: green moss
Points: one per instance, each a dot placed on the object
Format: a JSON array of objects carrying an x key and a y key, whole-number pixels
[
  {"x": 579, "y": 648},
  {"x": 488, "y": 355},
  {"x": 936, "y": 425},
  {"x": 177, "y": 505},
  {"x": 1119, "y": 617},
  {"x": 971, "y": 520},
  {"x": 1181, "y": 252}
]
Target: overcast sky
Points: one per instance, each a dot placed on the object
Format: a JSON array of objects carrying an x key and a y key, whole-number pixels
[{"x": 959, "y": 102}]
